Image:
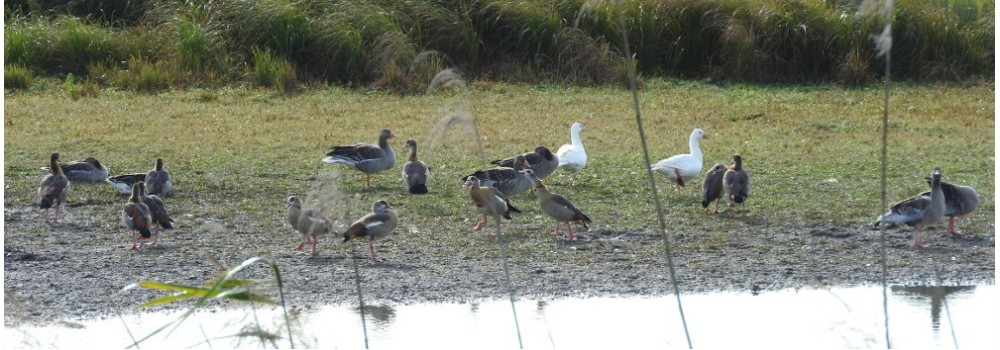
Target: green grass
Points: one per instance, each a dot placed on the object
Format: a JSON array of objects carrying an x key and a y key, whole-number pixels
[{"x": 812, "y": 151}]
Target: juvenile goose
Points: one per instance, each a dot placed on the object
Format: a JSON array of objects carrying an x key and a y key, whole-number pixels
[
  {"x": 558, "y": 207},
  {"x": 53, "y": 190},
  {"x": 572, "y": 156},
  {"x": 509, "y": 181},
  {"x": 124, "y": 182},
  {"x": 918, "y": 211},
  {"x": 712, "y": 189},
  {"x": 312, "y": 227},
  {"x": 958, "y": 201},
  {"x": 366, "y": 158},
  {"x": 157, "y": 211},
  {"x": 415, "y": 172},
  {"x": 541, "y": 161},
  {"x": 136, "y": 217},
  {"x": 377, "y": 224},
  {"x": 737, "y": 183},
  {"x": 682, "y": 167},
  {"x": 489, "y": 201},
  {"x": 87, "y": 170},
  {"x": 158, "y": 180}
]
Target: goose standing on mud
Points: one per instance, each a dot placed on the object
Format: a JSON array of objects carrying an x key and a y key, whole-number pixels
[
  {"x": 918, "y": 211},
  {"x": 489, "y": 201},
  {"x": 572, "y": 156},
  {"x": 157, "y": 211},
  {"x": 415, "y": 172},
  {"x": 958, "y": 201},
  {"x": 157, "y": 181},
  {"x": 377, "y": 224},
  {"x": 712, "y": 189},
  {"x": 366, "y": 158},
  {"x": 136, "y": 217},
  {"x": 87, "y": 170},
  {"x": 311, "y": 227},
  {"x": 737, "y": 183},
  {"x": 53, "y": 190},
  {"x": 682, "y": 167},
  {"x": 541, "y": 161},
  {"x": 558, "y": 207},
  {"x": 508, "y": 180}
]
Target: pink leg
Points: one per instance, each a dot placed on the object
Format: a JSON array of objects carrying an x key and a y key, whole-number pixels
[
  {"x": 570, "y": 225},
  {"x": 305, "y": 239},
  {"x": 135, "y": 244},
  {"x": 951, "y": 225},
  {"x": 56, "y": 219},
  {"x": 314, "y": 242},
  {"x": 556, "y": 231},
  {"x": 479, "y": 225},
  {"x": 918, "y": 238},
  {"x": 371, "y": 250},
  {"x": 368, "y": 180}
]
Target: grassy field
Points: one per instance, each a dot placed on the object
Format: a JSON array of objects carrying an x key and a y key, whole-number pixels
[{"x": 235, "y": 154}]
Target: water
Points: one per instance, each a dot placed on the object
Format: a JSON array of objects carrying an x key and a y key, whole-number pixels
[{"x": 840, "y": 317}]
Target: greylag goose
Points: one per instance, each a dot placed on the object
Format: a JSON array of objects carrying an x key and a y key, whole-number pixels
[
  {"x": 377, "y": 224},
  {"x": 711, "y": 190},
  {"x": 53, "y": 190},
  {"x": 558, "y": 207},
  {"x": 958, "y": 201},
  {"x": 311, "y": 227},
  {"x": 572, "y": 156},
  {"x": 737, "y": 183},
  {"x": 509, "y": 181},
  {"x": 682, "y": 167},
  {"x": 157, "y": 211},
  {"x": 415, "y": 172},
  {"x": 124, "y": 182},
  {"x": 541, "y": 161},
  {"x": 366, "y": 158},
  {"x": 489, "y": 201},
  {"x": 87, "y": 170},
  {"x": 158, "y": 180},
  {"x": 918, "y": 211},
  {"x": 136, "y": 217}
]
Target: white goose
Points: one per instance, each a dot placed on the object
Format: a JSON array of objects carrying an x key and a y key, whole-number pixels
[
  {"x": 683, "y": 166},
  {"x": 572, "y": 156}
]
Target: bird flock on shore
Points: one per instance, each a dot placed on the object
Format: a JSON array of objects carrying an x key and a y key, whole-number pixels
[{"x": 145, "y": 214}]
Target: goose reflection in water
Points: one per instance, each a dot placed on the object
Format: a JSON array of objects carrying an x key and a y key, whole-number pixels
[{"x": 936, "y": 294}]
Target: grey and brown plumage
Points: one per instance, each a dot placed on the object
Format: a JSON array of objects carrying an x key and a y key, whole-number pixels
[
  {"x": 558, "y": 207},
  {"x": 377, "y": 224},
  {"x": 158, "y": 180},
  {"x": 489, "y": 201},
  {"x": 53, "y": 190},
  {"x": 415, "y": 172},
  {"x": 508, "y": 180},
  {"x": 736, "y": 180},
  {"x": 366, "y": 158},
  {"x": 542, "y": 161},
  {"x": 712, "y": 189},
  {"x": 123, "y": 183},
  {"x": 87, "y": 170},
  {"x": 918, "y": 211},
  {"x": 157, "y": 211},
  {"x": 137, "y": 218},
  {"x": 312, "y": 226},
  {"x": 958, "y": 201}
]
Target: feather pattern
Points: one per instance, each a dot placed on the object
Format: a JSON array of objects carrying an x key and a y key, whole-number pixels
[
  {"x": 375, "y": 225},
  {"x": 87, "y": 170},
  {"x": 712, "y": 188},
  {"x": 53, "y": 189},
  {"x": 366, "y": 158},
  {"x": 541, "y": 161},
  {"x": 415, "y": 172}
]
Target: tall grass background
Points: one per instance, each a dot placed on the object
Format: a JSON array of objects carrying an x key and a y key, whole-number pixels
[{"x": 383, "y": 44}]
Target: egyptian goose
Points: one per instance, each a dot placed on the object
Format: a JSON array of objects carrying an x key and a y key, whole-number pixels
[
  {"x": 311, "y": 227},
  {"x": 377, "y": 224},
  {"x": 711, "y": 190},
  {"x": 541, "y": 161},
  {"x": 958, "y": 201},
  {"x": 918, "y": 211},
  {"x": 683, "y": 166},
  {"x": 737, "y": 183},
  {"x": 366, "y": 158},
  {"x": 489, "y": 201},
  {"x": 509, "y": 180},
  {"x": 124, "y": 182},
  {"x": 53, "y": 190},
  {"x": 558, "y": 207},
  {"x": 572, "y": 156},
  {"x": 415, "y": 172},
  {"x": 293, "y": 207},
  {"x": 87, "y": 170},
  {"x": 158, "y": 180},
  {"x": 136, "y": 217},
  {"x": 157, "y": 211}
]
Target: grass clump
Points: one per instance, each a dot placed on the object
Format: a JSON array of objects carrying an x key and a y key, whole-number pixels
[
  {"x": 272, "y": 71},
  {"x": 16, "y": 76}
]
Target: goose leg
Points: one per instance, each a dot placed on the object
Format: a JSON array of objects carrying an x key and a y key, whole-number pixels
[
  {"x": 368, "y": 180},
  {"x": 951, "y": 225},
  {"x": 556, "y": 231},
  {"x": 570, "y": 225},
  {"x": 135, "y": 245},
  {"x": 479, "y": 225},
  {"x": 56, "y": 219},
  {"x": 716, "y": 206},
  {"x": 371, "y": 250},
  {"x": 918, "y": 238},
  {"x": 305, "y": 239},
  {"x": 314, "y": 242}
]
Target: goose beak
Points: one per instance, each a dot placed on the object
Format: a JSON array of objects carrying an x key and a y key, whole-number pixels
[{"x": 705, "y": 136}]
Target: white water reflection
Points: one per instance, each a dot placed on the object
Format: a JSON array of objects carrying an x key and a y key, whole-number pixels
[{"x": 841, "y": 317}]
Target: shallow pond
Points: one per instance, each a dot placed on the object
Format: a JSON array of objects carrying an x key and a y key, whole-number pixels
[{"x": 938, "y": 317}]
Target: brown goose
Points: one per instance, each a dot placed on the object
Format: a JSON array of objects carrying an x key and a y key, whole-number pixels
[
  {"x": 311, "y": 227},
  {"x": 712, "y": 188},
  {"x": 489, "y": 201},
  {"x": 958, "y": 201},
  {"x": 157, "y": 211},
  {"x": 53, "y": 190},
  {"x": 509, "y": 181},
  {"x": 136, "y": 217},
  {"x": 158, "y": 180},
  {"x": 87, "y": 170},
  {"x": 918, "y": 211},
  {"x": 377, "y": 224},
  {"x": 541, "y": 161},
  {"x": 415, "y": 172},
  {"x": 737, "y": 183},
  {"x": 293, "y": 206},
  {"x": 124, "y": 182},
  {"x": 558, "y": 207},
  {"x": 366, "y": 158}
]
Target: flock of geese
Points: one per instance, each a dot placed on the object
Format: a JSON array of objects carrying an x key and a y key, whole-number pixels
[{"x": 145, "y": 214}]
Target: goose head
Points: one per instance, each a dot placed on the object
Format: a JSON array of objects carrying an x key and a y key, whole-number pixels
[
  {"x": 380, "y": 206},
  {"x": 386, "y": 134},
  {"x": 293, "y": 201},
  {"x": 576, "y": 128},
  {"x": 698, "y": 134},
  {"x": 472, "y": 183},
  {"x": 411, "y": 144},
  {"x": 544, "y": 152}
]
